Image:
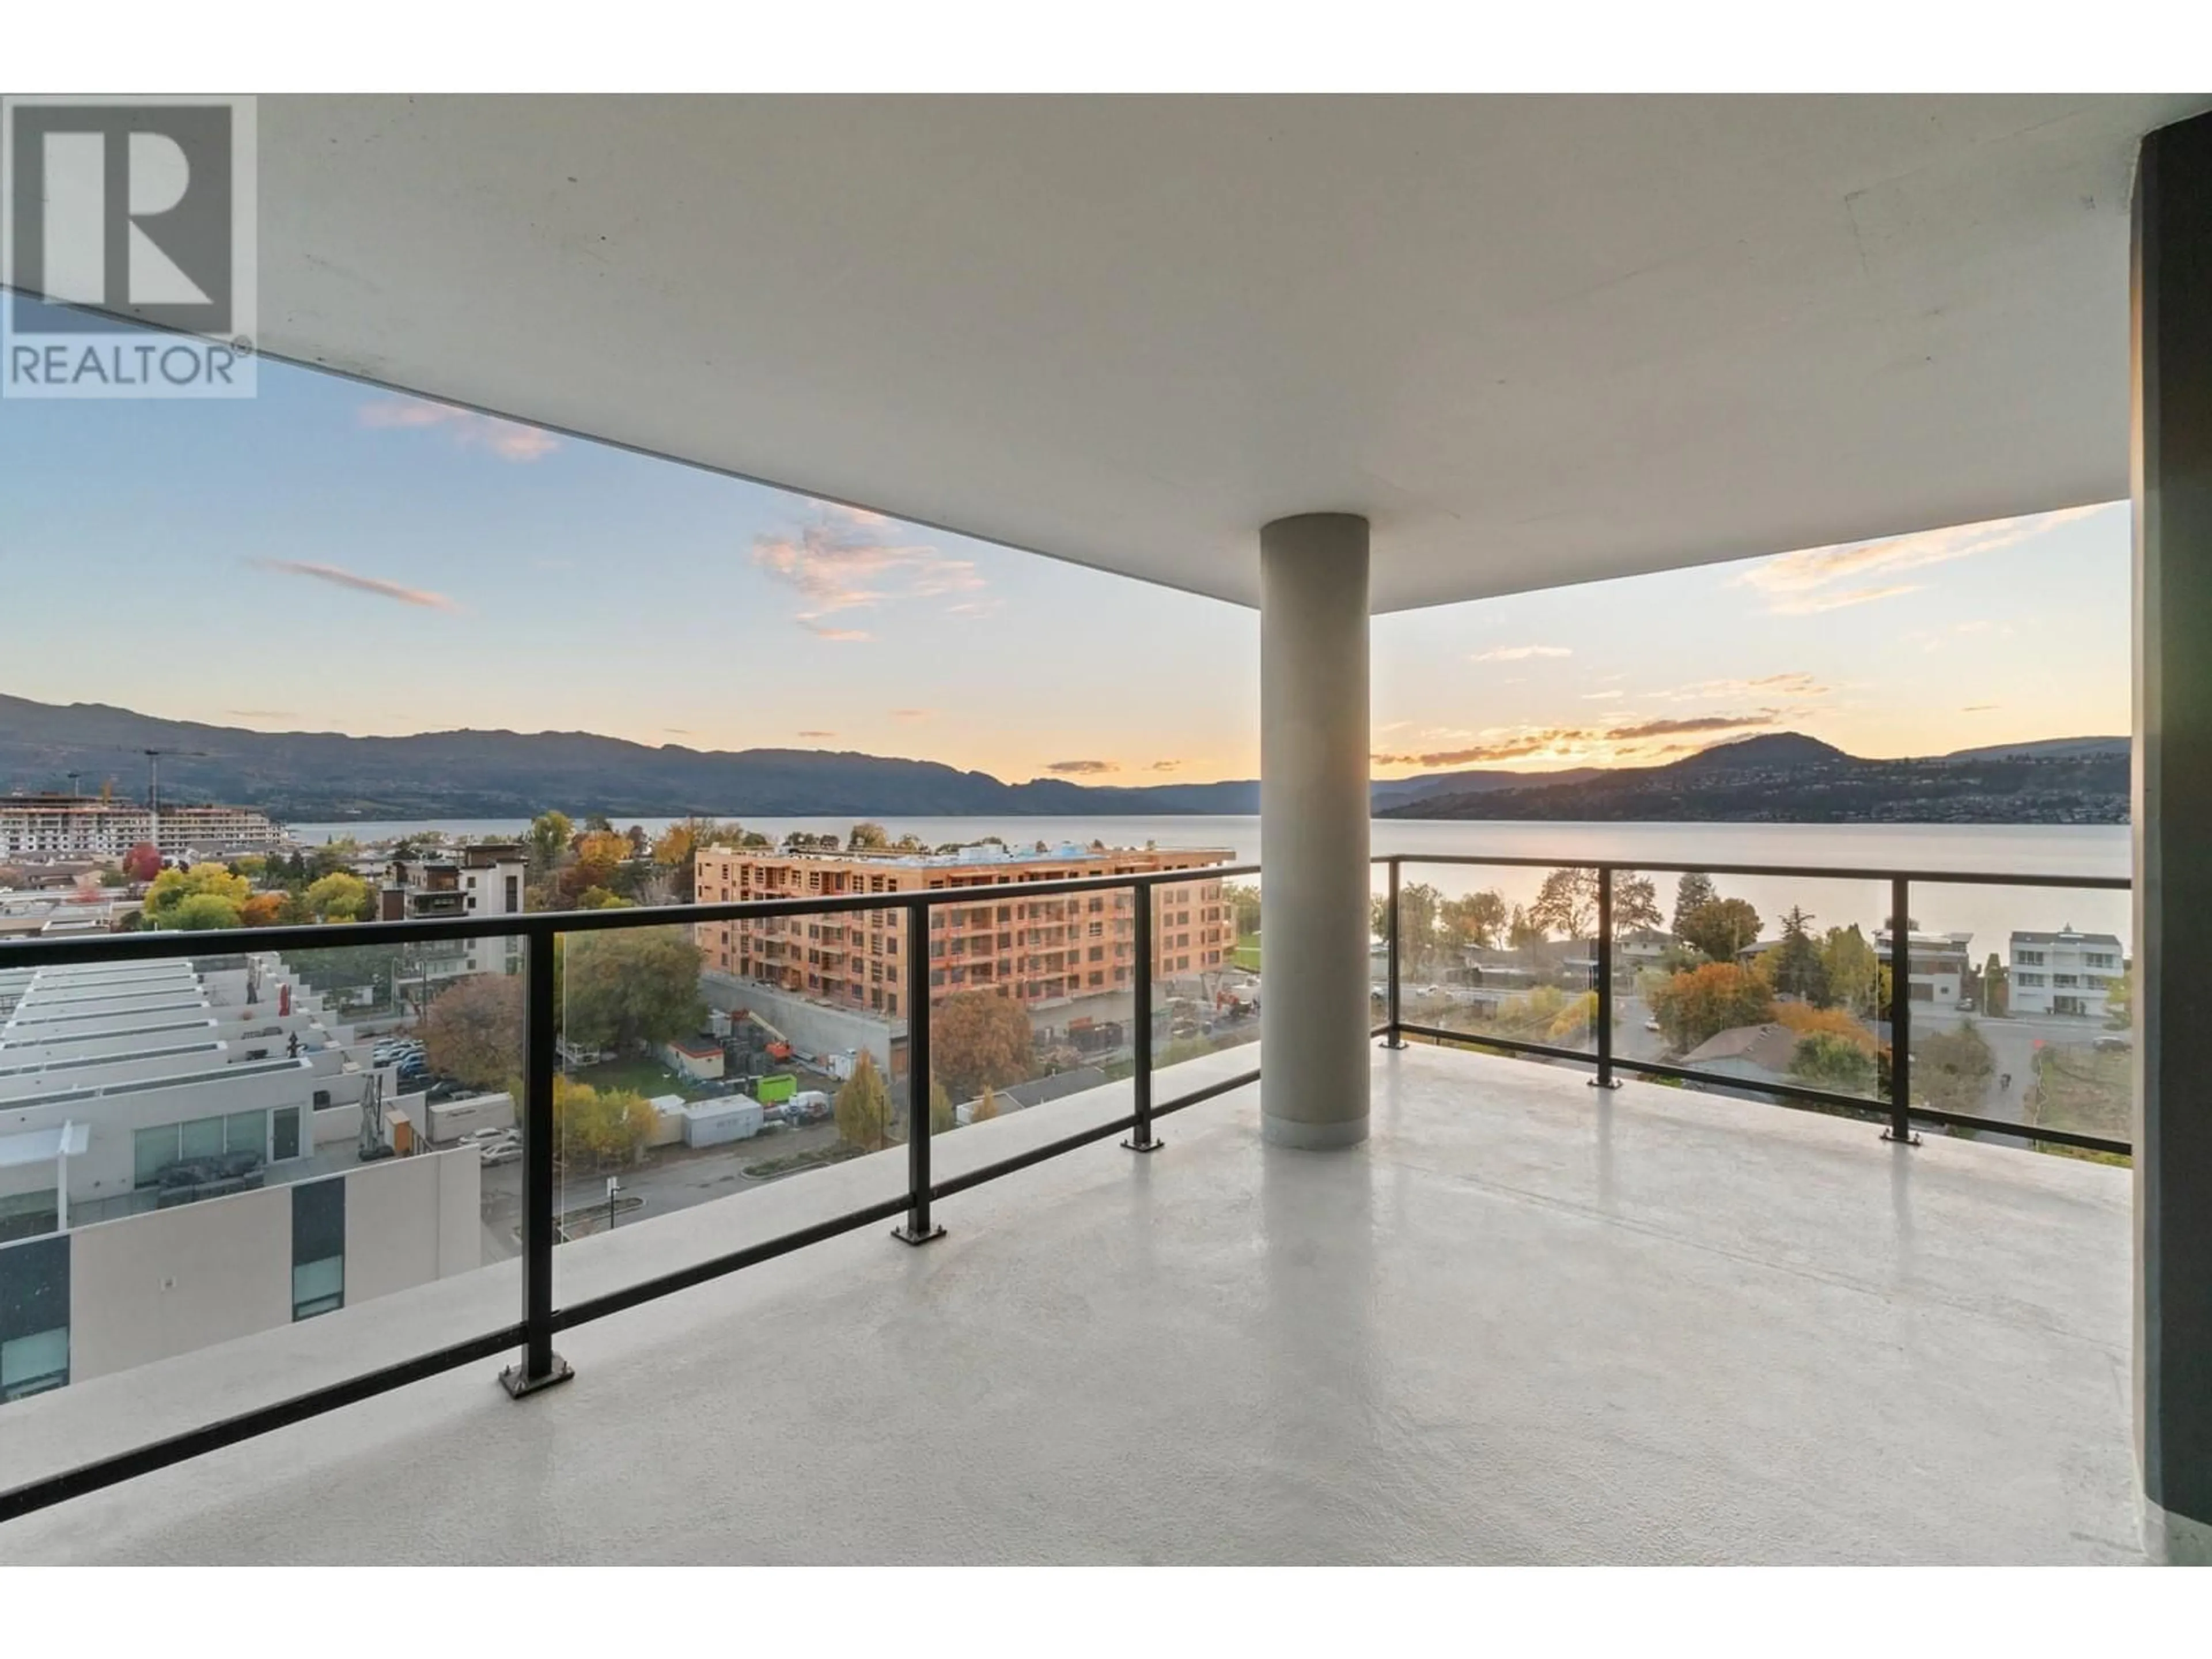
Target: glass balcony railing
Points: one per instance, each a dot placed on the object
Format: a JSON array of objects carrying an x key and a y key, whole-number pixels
[
  {"x": 1781, "y": 983},
  {"x": 434, "y": 1111}
]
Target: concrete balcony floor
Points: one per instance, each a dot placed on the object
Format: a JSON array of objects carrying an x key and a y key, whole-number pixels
[{"x": 1527, "y": 1322}]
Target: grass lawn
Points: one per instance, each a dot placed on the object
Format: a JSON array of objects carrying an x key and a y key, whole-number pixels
[
  {"x": 643, "y": 1076},
  {"x": 2080, "y": 1089},
  {"x": 1247, "y": 953}
]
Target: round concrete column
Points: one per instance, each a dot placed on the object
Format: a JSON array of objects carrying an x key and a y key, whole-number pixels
[{"x": 1313, "y": 829}]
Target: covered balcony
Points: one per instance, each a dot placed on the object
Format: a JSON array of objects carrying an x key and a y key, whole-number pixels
[
  {"x": 1529, "y": 1322},
  {"x": 1383, "y": 1304}
]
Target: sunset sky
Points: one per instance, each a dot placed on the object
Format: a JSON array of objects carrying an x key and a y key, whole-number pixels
[{"x": 332, "y": 557}]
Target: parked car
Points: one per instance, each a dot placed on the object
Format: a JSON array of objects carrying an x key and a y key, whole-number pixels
[
  {"x": 493, "y": 1135},
  {"x": 2114, "y": 1045},
  {"x": 1651, "y": 1024},
  {"x": 490, "y": 1154}
]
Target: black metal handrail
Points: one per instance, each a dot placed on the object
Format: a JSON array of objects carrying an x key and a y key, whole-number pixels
[
  {"x": 542, "y": 1316},
  {"x": 1896, "y": 1101}
]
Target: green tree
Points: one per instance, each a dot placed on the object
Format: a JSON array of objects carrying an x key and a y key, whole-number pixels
[
  {"x": 1996, "y": 988},
  {"x": 1692, "y": 1006},
  {"x": 598, "y": 898},
  {"x": 1566, "y": 903},
  {"x": 1523, "y": 932},
  {"x": 2120, "y": 999},
  {"x": 599, "y": 1126},
  {"x": 172, "y": 888},
  {"x": 865, "y": 838},
  {"x": 474, "y": 1030},
  {"x": 980, "y": 1040},
  {"x": 338, "y": 897},
  {"x": 1796, "y": 967},
  {"x": 629, "y": 987},
  {"x": 863, "y": 1106},
  {"x": 1477, "y": 919},
  {"x": 1853, "y": 971},
  {"x": 1419, "y": 909},
  {"x": 1825, "y": 1060},
  {"x": 199, "y": 911},
  {"x": 548, "y": 843},
  {"x": 1720, "y": 928},
  {"x": 1691, "y": 893},
  {"x": 1243, "y": 898}
]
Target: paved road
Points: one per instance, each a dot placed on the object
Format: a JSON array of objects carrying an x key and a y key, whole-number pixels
[{"x": 673, "y": 1178}]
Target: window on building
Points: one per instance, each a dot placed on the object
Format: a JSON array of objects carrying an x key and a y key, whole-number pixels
[
  {"x": 287, "y": 1142},
  {"x": 2028, "y": 958},
  {"x": 34, "y": 1306},
  {"x": 317, "y": 1248}
]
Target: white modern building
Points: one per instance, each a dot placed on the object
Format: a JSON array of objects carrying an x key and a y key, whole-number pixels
[
  {"x": 1941, "y": 964},
  {"x": 2062, "y": 973},
  {"x": 488, "y": 879},
  {"x": 56, "y": 826}
]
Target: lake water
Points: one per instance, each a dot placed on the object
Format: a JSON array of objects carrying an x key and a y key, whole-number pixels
[{"x": 1989, "y": 912}]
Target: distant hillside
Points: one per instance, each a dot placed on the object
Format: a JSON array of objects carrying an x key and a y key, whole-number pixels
[
  {"x": 312, "y": 776},
  {"x": 1786, "y": 777}
]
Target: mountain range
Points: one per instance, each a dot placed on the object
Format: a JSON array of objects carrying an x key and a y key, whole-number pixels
[{"x": 327, "y": 776}]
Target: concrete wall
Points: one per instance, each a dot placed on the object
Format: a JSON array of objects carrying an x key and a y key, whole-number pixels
[
  {"x": 449, "y": 1120},
  {"x": 811, "y": 1026},
  {"x": 150, "y": 1286},
  {"x": 409, "y": 1220}
]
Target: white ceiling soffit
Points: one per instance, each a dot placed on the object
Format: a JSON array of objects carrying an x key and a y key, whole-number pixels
[{"x": 1537, "y": 341}]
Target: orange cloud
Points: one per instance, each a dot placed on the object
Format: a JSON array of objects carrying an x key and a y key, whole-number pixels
[{"x": 510, "y": 441}]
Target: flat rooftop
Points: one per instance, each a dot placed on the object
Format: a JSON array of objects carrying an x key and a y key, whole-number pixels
[
  {"x": 1067, "y": 852},
  {"x": 1529, "y": 1322}
]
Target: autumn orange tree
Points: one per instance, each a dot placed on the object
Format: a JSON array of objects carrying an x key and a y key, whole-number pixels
[
  {"x": 474, "y": 1030},
  {"x": 979, "y": 1040},
  {"x": 1705, "y": 1001}
]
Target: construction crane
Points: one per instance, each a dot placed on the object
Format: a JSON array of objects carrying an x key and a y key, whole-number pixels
[{"x": 154, "y": 772}]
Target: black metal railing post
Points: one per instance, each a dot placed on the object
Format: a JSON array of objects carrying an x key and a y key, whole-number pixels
[
  {"x": 917, "y": 1228},
  {"x": 1900, "y": 1014},
  {"x": 1605, "y": 1078},
  {"x": 541, "y": 1367},
  {"x": 1394, "y": 1037},
  {"x": 1141, "y": 1139}
]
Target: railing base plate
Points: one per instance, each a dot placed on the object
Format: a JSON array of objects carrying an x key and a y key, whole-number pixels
[
  {"x": 1605, "y": 1083},
  {"x": 906, "y": 1235},
  {"x": 517, "y": 1385},
  {"x": 1137, "y": 1145},
  {"x": 1908, "y": 1139},
  {"x": 1394, "y": 1042}
]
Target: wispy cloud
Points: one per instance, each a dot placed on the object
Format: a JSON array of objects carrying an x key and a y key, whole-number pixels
[
  {"x": 508, "y": 439},
  {"x": 1082, "y": 769},
  {"x": 838, "y": 635},
  {"x": 1166, "y": 766},
  {"x": 1980, "y": 708},
  {"x": 376, "y": 585},
  {"x": 1791, "y": 579},
  {"x": 1521, "y": 653},
  {"x": 263, "y": 713},
  {"x": 680, "y": 731},
  {"x": 1600, "y": 696},
  {"x": 1669, "y": 728},
  {"x": 844, "y": 559},
  {"x": 913, "y": 714},
  {"x": 1795, "y": 685},
  {"x": 1812, "y": 604},
  {"x": 817, "y": 734},
  {"x": 1577, "y": 743}
]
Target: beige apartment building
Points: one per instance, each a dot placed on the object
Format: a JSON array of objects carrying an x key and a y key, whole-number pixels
[{"x": 1042, "y": 951}]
